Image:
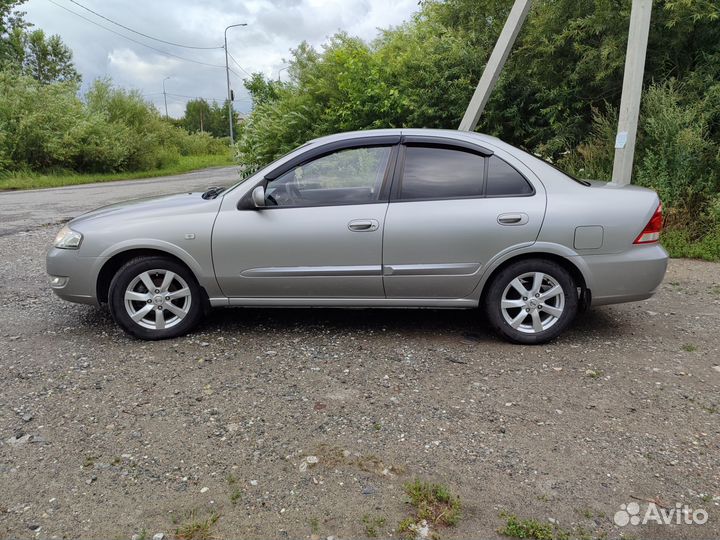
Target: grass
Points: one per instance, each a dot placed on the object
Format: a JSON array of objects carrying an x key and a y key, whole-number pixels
[
  {"x": 373, "y": 525},
  {"x": 678, "y": 244},
  {"x": 197, "y": 529},
  {"x": 537, "y": 530},
  {"x": 32, "y": 180},
  {"x": 689, "y": 347},
  {"x": 235, "y": 496},
  {"x": 432, "y": 503}
]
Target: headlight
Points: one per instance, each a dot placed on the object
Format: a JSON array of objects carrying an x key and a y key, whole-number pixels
[{"x": 68, "y": 239}]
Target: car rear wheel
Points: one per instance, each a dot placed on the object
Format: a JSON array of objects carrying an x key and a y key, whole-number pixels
[
  {"x": 531, "y": 301},
  {"x": 155, "y": 298}
]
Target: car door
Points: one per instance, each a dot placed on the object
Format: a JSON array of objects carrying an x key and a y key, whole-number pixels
[
  {"x": 453, "y": 208},
  {"x": 319, "y": 235}
]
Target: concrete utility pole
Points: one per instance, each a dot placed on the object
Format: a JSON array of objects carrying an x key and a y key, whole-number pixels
[
  {"x": 229, "y": 92},
  {"x": 490, "y": 75},
  {"x": 165, "y": 97},
  {"x": 632, "y": 91}
]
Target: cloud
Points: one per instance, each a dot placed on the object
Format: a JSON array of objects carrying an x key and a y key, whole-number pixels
[{"x": 274, "y": 28}]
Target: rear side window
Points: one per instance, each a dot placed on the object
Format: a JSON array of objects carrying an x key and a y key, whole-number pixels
[
  {"x": 504, "y": 181},
  {"x": 441, "y": 173}
]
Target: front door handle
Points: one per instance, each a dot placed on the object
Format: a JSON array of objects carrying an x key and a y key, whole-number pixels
[
  {"x": 517, "y": 218},
  {"x": 363, "y": 225}
]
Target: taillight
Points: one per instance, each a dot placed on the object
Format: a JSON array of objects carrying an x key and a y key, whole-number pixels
[{"x": 651, "y": 232}]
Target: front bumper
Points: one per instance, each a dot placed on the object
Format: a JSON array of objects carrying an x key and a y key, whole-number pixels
[
  {"x": 626, "y": 277},
  {"x": 77, "y": 275}
]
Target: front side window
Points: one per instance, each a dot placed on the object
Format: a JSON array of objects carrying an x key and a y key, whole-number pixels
[
  {"x": 351, "y": 176},
  {"x": 441, "y": 173}
]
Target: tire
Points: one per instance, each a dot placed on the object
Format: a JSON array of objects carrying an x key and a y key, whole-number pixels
[
  {"x": 135, "y": 305},
  {"x": 548, "y": 308}
]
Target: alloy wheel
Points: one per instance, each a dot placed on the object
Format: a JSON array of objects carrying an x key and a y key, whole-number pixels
[
  {"x": 157, "y": 299},
  {"x": 532, "y": 302}
]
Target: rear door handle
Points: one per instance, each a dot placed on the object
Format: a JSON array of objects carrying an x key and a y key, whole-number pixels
[
  {"x": 363, "y": 225},
  {"x": 517, "y": 218}
]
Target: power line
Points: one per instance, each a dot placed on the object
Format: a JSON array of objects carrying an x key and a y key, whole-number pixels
[
  {"x": 245, "y": 99},
  {"x": 140, "y": 42},
  {"x": 238, "y": 64},
  {"x": 206, "y": 98},
  {"x": 140, "y": 33}
]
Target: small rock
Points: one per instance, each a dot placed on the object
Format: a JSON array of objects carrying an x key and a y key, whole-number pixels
[
  {"x": 552, "y": 520},
  {"x": 27, "y": 417},
  {"x": 253, "y": 482},
  {"x": 202, "y": 344},
  {"x": 717, "y": 368},
  {"x": 34, "y": 527},
  {"x": 368, "y": 490},
  {"x": 15, "y": 441},
  {"x": 270, "y": 353},
  {"x": 204, "y": 490},
  {"x": 91, "y": 480},
  {"x": 312, "y": 459},
  {"x": 158, "y": 536}
]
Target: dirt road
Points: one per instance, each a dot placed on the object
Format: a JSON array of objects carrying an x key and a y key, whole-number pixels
[{"x": 104, "y": 436}]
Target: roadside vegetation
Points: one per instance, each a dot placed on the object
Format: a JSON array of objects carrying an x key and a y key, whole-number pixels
[
  {"x": 557, "y": 96},
  {"x": 51, "y": 135},
  {"x": 26, "y": 179},
  {"x": 433, "y": 507}
]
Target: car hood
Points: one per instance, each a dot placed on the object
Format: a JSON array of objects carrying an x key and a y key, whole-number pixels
[{"x": 180, "y": 203}]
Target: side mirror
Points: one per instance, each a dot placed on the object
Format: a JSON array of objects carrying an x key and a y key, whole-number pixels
[{"x": 258, "y": 197}]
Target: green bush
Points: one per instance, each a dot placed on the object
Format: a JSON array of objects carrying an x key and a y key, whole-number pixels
[{"x": 46, "y": 127}]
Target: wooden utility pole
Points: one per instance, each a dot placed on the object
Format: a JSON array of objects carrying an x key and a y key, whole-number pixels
[
  {"x": 490, "y": 75},
  {"x": 631, "y": 91}
]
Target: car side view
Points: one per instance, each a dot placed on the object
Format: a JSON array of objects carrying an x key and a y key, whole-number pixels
[{"x": 407, "y": 218}]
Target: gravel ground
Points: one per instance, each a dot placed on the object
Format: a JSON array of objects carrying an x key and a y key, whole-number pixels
[{"x": 102, "y": 436}]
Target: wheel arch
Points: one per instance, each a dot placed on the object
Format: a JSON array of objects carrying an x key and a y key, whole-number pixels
[
  {"x": 572, "y": 264},
  {"x": 116, "y": 261}
]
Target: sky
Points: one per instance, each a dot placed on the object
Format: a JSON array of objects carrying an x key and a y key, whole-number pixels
[{"x": 274, "y": 27}]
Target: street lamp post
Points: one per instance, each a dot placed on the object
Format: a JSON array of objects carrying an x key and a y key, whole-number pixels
[
  {"x": 229, "y": 92},
  {"x": 281, "y": 70},
  {"x": 165, "y": 97}
]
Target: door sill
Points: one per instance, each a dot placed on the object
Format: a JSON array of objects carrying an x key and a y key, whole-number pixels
[{"x": 466, "y": 303}]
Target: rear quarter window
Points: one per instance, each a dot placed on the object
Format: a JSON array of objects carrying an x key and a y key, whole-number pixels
[{"x": 503, "y": 180}]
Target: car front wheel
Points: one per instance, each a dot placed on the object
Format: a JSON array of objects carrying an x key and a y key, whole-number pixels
[
  {"x": 155, "y": 298},
  {"x": 531, "y": 301}
]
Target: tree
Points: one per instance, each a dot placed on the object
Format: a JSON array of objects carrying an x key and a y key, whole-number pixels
[
  {"x": 11, "y": 20},
  {"x": 46, "y": 59},
  {"x": 197, "y": 115}
]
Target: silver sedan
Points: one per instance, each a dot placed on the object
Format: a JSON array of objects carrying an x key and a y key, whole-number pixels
[{"x": 388, "y": 218}]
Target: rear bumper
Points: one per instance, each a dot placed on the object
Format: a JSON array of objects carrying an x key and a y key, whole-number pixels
[
  {"x": 78, "y": 275},
  {"x": 626, "y": 277}
]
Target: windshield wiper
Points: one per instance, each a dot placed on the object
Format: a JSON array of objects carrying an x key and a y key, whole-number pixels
[{"x": 213, "y": 192}]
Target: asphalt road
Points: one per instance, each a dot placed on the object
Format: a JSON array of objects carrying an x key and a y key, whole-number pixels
[{"x": 25, "y": 210}]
